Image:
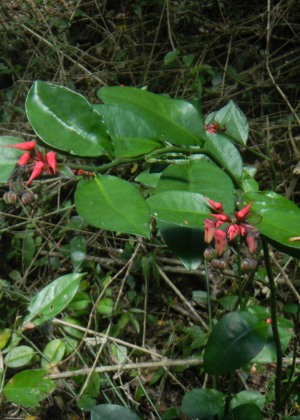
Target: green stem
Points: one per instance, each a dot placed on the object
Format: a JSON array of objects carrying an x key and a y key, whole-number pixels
[
  {"x": 272, "y": 287},
  {"x": 229, "y": 392},
  {"x": 208, "y": 296}
]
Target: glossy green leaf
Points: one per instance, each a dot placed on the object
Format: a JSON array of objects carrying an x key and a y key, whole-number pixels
[
  {"x": 225, "y": 154},
  {"x": 112, "y": 412},
  {"x": 186, "y": 242},
  {"x": 53, "y": 353},
  {"x": 269, "y": 354},
  {"x": 78, "y": 251},
  {"x": 74, "y": 332},
  {"x": 176, "y": 121},
  {"x": 131, "y": 135},
  {"x": 8, "y": 156},
  {"x": 150, "y": 176},
  {"x": 51, "y": 300},
  {"x": 199, "y": 176},
  {"x": 171, "y": 56},
  {"x": 28, "y": 388},
  {"x": 203, "y": 403},
  {"x": 234, "y": 341},
  {"x": 248, "y": 396},
  {"x": 245, "y": 411},
  {"x": 184, "y": 208},
  {"x": 91, "y": 391},
  {"x": 19, "y": 356},
  {"x": 66, "y": 121},
  {"x": 280, "y": 223},
  {"x": 233, "y": 120},
  {"x": 111, "y": 203}
]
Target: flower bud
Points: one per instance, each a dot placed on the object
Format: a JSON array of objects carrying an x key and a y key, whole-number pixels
[
  {"x": 248, "y": 264},
  {"x": 220, "y": 241},
  {"x": 209, "y": 254},
  {"x": 10, "y": 197},
  {"x": 27, "y": 198},
  {"x": 26, "y": 145},
  {"x": 218, "y": 263},
  {"x": 209, "y": 230}
]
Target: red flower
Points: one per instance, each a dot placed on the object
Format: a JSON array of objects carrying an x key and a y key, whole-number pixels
[
  {"x": 212, "y": 128},
  {"x": 37, "y": 171},
  {"x": 26, "y": 146},
  {"x": 236, "y": 226}
]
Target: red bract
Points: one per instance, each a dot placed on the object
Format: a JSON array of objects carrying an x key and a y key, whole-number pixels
[
  {"x": 37, "y": 171},
  {"x": 24, "y": 159},
  {"x": 51, "y": 160},
  {"x": 212, "y": 128},
  {"x": 26, "y": 146},
  {"x": 244, "y": 213},
  {"x": 218, "y": 207},
  {"x": 220, "y": 241},
  {"x": 209, "y": 230}
]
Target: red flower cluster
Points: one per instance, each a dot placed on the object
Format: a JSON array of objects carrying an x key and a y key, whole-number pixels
[
  {"x": 43, "y": 163},
  {"x": 212, "y": 128},
  {"x": 234, "y": 227}
]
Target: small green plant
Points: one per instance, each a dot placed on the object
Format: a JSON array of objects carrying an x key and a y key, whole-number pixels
[{"x": 192, "y": 190}]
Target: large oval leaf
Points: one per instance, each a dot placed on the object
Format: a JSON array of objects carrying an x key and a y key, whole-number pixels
[
  {"x": 66, "y": 121},
  {"x": 234, "y": 341},
  {"x": 184, "y": 208},
  {"x": 203, "y": 403},
  {"x": 28, "y": 388},
  {"x": 247, "y": 411},
  {"x": 111, "y": 203},
  {"x": 225, "y": 154},
  {"x": 199, "y": 176},
  {"x": 112, "y": 412},
  {"x": 8, "y": 156},
  {"x": 176, "y": 121},
  {"x": 280, "y": 222},
  {"x": 53, "y": 298}
]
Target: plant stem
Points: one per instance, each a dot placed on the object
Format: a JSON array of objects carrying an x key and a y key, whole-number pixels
[
  {"x": 208, "y": 296},
  {"x": 272, "y": 287}
]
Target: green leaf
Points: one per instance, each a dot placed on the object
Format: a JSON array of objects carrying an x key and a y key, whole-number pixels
[
  {"x": 248, "y": 397},
  {"x": 19, "y": 356},
  {"x": 181, "y": 207},
  {"x": 5, "y": 336},
  {"x": 8, "y": 156},
  {"x": 234, "y": 341},
  {"x": 105, "y": 306},
  {"x": 28, "y": 388},
  {"x": 111, "y": 203},
  {"x": 245, "y": 411},
  {"x": 78, "y": 251},
  {"x": 171, "y": 56},
  {"x": 51, "y": 300},
  {"x": 203, "y": 403},
  {"x": 280, "y": 223},
  {"x": 187, "y": 243},
  {"x": 199, "y": 176},
  {"x": 225, "y": 154},
  {"x": 53, "y": 353},
  {"x": 231, "y": 118},
  {"x": 80, "y": 301},
  {"x": 66, "y": 121},
  {"x": 175, "y": 121},
  {"x": 112, "y": 412},
  {"x": 131, "y": 135},
  {"x": 151, "y": 175}
]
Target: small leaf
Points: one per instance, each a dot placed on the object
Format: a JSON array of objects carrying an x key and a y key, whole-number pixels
[
  {"x": 78, "y": 251},
  {"x": 105, "y": 306},
  {"x": 19, "y": 356},
  {"x": 231, "y": 118},
  {"x": 8, "y": 156},
  {"x": 53, "y": 353},
  {"x": 247, "y": 397},
  {"x": 51, "y": 300},
  {"x": 112, "y": 203},
  {"x": 112, "y": 412},
  {"x": 186, "y": 242},
  {"x": 245, "y": 411},
  {"x": 203, "y": 403},
  {"x": 66, "y": 121},
  {"x": 234, "y": 341},
  {"x": 28, "y": 388},
  {"x": 171, "y": 56},
  {"x": 5, "y": 335}
]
